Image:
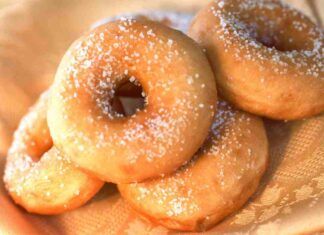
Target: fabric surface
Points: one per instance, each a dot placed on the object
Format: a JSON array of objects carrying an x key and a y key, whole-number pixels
[{"x": 33, "y": 37}]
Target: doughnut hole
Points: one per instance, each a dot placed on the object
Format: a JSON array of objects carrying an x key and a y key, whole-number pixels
[{"x": 129, "y": 98}]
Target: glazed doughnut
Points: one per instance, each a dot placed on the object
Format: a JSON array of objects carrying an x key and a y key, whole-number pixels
[
  {"x": 266, "y": 56},
  {"x": 221, "y": 177},
  {"x": 180, "y": 94},
  {"x": 37, "y": 176},
  {"x": 175, "y": 20}
]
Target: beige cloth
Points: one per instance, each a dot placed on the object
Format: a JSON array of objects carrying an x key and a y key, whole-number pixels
[{"x": 33, "y": 37}]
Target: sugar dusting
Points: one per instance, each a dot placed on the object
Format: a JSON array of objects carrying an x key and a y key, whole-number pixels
[
  {"x": 235, "y": 27},
  {"x": 96, "y": 68},
  {"x": 231, "y": 161},
  {"x": 24, "y": 174},
  {"x": 20, "y": 162}
]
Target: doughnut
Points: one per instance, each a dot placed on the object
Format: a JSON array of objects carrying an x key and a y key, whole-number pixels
[
  {"x": 219, "y": 179},
  {"x": 175, "y": 20},
  {"x": 37, "y": 176},
  {"x": 129, "y": 95},
  {"x": 179, "y": 89},
  {"x": 266, "y": 56}
]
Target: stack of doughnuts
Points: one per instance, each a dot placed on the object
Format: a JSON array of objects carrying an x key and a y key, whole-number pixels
[{"x": 181, "y": 156}]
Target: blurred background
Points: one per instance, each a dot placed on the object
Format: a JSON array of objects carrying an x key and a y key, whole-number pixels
[{"x": 317, "y": 5}]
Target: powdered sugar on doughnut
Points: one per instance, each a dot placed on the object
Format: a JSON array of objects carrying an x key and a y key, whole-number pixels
[
  {"x": 234, "y": 25},
  {"x": 36, "y": 173},
  {"x": 226, "y": 154},
  {"x": 23, "y": 140},
  {"x": 175, "y": 96}
]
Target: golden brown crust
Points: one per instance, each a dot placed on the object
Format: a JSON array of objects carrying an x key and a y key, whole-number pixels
[
  {"x": 37, "y": 176},
  {"x": 219, "y": 180},
  {"x": 179, "y": 90},
  {"x": 267, "y": 57}
]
